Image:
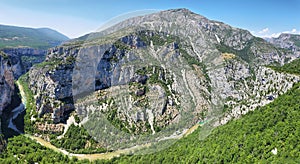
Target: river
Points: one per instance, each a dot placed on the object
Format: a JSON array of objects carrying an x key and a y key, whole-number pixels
[{"x": 12, "y": 119}]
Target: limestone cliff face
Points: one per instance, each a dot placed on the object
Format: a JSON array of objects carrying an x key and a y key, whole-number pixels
[
  {"x": 6, "y": 81},
  {"x": 26, "y": 57},
  {"x": 52, "y": 84},
  {"x": 14, "y": 63},
  {"x": 166, "y": 66}
]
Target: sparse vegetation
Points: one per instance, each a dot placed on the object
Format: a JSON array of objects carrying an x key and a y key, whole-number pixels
[
  {"x": 246, "y": 54},
  {"x": 158, "y": 39},
  {"x": 49, "y": 64},
  {"x": 296, "y": 40},
  {"x": 5, "y": 56},
  {"x": 194, "y": 61}
]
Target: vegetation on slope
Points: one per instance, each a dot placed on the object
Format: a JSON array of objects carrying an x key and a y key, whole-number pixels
[
  {"x": 249, "y": 139},
  {"x": 77, "y": 140},
  {"x": 29, "y": 104},
  {"x": 296, "y": 39},
  {"x": 254, "y": 138},
  {"x": 21, "y": 149},
  {"x": 292, "y": 67},
  {"x": 11, "y": 36}
]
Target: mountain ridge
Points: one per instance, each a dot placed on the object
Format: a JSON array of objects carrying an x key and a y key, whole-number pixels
[
  {"x": 14, "y": 36},
  {"x": 287, "y": 41},
  {"x": 201, "y": 69}
]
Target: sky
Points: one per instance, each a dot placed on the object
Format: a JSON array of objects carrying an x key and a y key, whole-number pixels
[{"x": 74, "y": 18}]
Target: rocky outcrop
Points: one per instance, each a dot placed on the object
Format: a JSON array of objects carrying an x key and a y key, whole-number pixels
[
  {"x": 7, "y": 85},
  {"x": 14, "y": 63},
  {"x": 25, "y": 57},
  {"x": 247, "y": 91},
  {"x": 52, "y": 84},
  {"x": 50, "y": 127}
]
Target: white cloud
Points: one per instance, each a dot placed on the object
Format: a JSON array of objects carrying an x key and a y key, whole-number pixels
[
  {"x": 263, "y": 31},
  {"x": 294, "y": 30}
]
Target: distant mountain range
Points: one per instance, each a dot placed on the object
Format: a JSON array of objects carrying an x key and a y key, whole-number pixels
[
  {"x": 287, "y": 41},
  {"x": 40, "y": 38}
]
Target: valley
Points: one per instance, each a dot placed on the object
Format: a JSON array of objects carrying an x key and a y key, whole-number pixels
[{"x": 167, "y": 87}]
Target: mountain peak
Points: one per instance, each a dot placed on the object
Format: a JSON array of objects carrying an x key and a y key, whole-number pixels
[
  {"x": 180, "y": 10},
  {"x": 183, "y": 11}
]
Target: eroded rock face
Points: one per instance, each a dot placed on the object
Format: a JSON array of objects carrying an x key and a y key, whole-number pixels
[
  {"x": 7, "y": 85},
  {"x": 14, "y": 63},
  {"x": 24, "y": 58},
  {"x": 52, "y": 85}
]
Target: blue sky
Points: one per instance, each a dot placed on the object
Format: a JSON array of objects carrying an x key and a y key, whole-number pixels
[{"x": 77, "y": 17}]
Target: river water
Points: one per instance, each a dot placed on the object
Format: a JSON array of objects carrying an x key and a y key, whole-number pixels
[
  {"x": 12, "y": 119},
  {"x": 15, "y": 113}
]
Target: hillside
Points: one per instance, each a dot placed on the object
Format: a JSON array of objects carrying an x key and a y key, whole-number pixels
[
  {"x": 152, "y": 79},
  {"x": 266, "y": 134},
  {"x": 252, "y": 138},
  {"x": 42, "y": 38}
]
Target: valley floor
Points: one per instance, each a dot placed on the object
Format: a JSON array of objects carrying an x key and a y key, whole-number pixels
[{"x": 107, "y": 155}]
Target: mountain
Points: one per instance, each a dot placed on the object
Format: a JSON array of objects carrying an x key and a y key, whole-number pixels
[
  {"x": 21, "y": 48},
  {"x": 287, "y": 41},
  {"x": 150, "y": 79},
  {"x": 41, "y": 38},
  {"x": 201, "y": 70}
]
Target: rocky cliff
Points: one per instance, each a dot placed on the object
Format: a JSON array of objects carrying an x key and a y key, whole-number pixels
[
  {"x": 20, "y": 49},
  {"x": 7, "y": 85},
  {"x": 24, "y": 58},
  {"x": 159, "y": 71},
  {"x": 14, "y": 63}
]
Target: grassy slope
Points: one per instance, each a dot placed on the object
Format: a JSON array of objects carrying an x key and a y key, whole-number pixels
[{"x": 21, "y": 149}]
